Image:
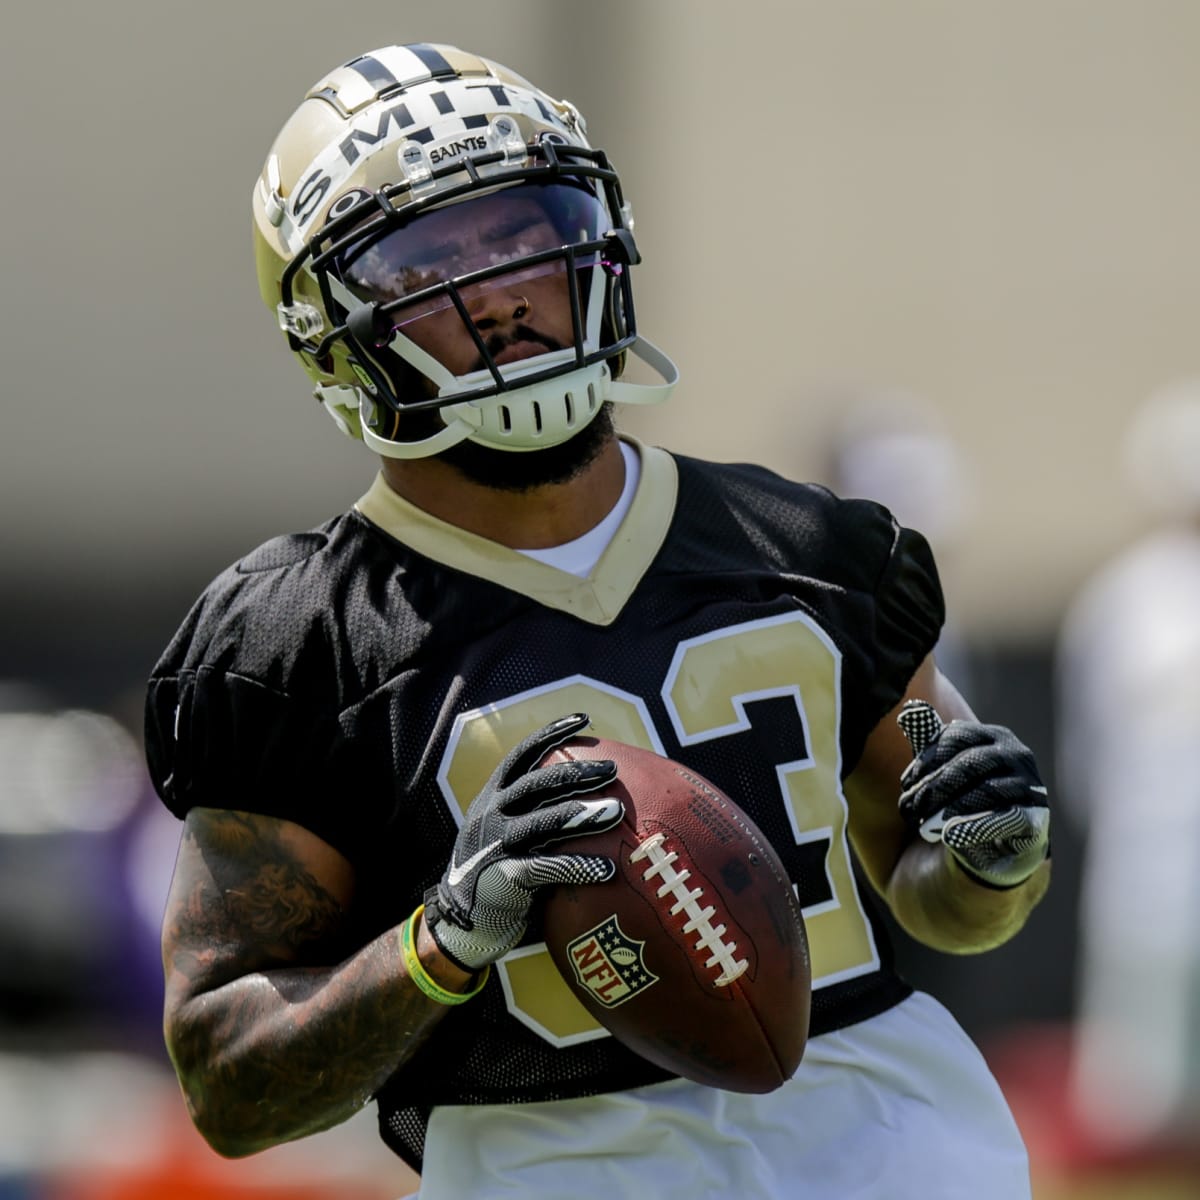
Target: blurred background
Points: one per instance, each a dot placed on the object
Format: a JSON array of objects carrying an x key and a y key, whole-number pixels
[{"x": 941, "y": 253}]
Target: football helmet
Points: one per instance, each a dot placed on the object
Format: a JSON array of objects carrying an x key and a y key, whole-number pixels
[{"x": 449, "y": 257}]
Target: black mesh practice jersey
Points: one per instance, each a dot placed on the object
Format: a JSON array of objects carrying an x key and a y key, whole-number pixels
[{"x": 363, "y": 679}]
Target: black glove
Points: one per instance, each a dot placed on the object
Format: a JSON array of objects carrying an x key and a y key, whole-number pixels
[
  {"x": 479, "y": 910},
  {"x": 976, "y": 789}
]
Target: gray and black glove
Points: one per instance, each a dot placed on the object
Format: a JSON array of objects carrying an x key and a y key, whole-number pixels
[
  {"x": 976, "y": 789},
  {"x": 479, "y": 910}
]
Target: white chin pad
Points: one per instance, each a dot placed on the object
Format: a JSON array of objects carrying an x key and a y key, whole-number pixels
[{"x": 539, "y": 414}]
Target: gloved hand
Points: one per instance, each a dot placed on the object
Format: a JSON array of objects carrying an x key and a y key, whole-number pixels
[
  {"x": 976, "y": 789},
  {"x": 479, "y": 910}
]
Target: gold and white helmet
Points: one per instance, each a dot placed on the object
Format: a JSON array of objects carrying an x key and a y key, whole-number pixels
[{"x": 350, "y": 220}]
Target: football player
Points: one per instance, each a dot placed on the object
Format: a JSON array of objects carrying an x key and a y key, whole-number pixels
[{"x": 349, "y": 721}]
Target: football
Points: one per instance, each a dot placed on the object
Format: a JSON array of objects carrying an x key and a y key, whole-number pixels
[{"x": 695, "y": 954}]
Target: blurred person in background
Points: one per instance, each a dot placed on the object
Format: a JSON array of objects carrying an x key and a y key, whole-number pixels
[
  {"x": 1129, "y": 764},
  {"x": 349, "y": 720},
  {"x": 890, "y": 446}
]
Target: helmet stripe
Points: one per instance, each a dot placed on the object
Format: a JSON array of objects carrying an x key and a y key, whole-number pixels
[
  {"x": 406, "y": 67},
  {"x": 437, "y": 66},
  {"x": 374, "y": 72}
]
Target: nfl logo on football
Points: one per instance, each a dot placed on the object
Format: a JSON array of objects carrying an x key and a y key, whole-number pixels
[{"x": 609, "y": 963}]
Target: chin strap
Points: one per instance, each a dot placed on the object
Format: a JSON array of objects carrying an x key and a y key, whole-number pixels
[{"x": 647, "y": 393}]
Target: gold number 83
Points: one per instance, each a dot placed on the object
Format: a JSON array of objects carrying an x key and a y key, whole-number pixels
[{"x": 708, "y": 685}]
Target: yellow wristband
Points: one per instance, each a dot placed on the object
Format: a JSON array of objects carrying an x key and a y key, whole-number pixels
[{"x": 418, "y": 974}]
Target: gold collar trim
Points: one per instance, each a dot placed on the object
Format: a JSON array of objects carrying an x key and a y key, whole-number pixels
[{"x": 597, "y": 599}]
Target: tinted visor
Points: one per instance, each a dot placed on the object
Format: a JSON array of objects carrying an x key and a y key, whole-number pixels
[{"x": 481, "y": 234}]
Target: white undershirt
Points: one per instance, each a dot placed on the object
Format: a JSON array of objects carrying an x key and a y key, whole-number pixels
[{"x": 579, "y": 556}]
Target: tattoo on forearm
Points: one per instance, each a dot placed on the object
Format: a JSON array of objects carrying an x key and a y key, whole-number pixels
[{"x": 270, "y": 1024}]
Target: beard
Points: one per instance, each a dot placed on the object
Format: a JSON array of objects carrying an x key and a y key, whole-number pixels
[
  {"x": 506, "y": 470},
  {"x": 523, "y": 471}
]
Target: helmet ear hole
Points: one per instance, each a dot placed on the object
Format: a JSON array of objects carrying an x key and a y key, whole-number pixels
[{"x": 324, "y": 363}]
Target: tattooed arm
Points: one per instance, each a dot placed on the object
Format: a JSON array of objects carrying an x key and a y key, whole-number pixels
[{"x": 274, "y": 1032}]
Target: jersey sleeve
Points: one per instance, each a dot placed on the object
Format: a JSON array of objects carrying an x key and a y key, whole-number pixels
[
  {"x": 908, "y": 605},
  {"x": 215, "y": 739},
  {"x": 232, "y": 724}
]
